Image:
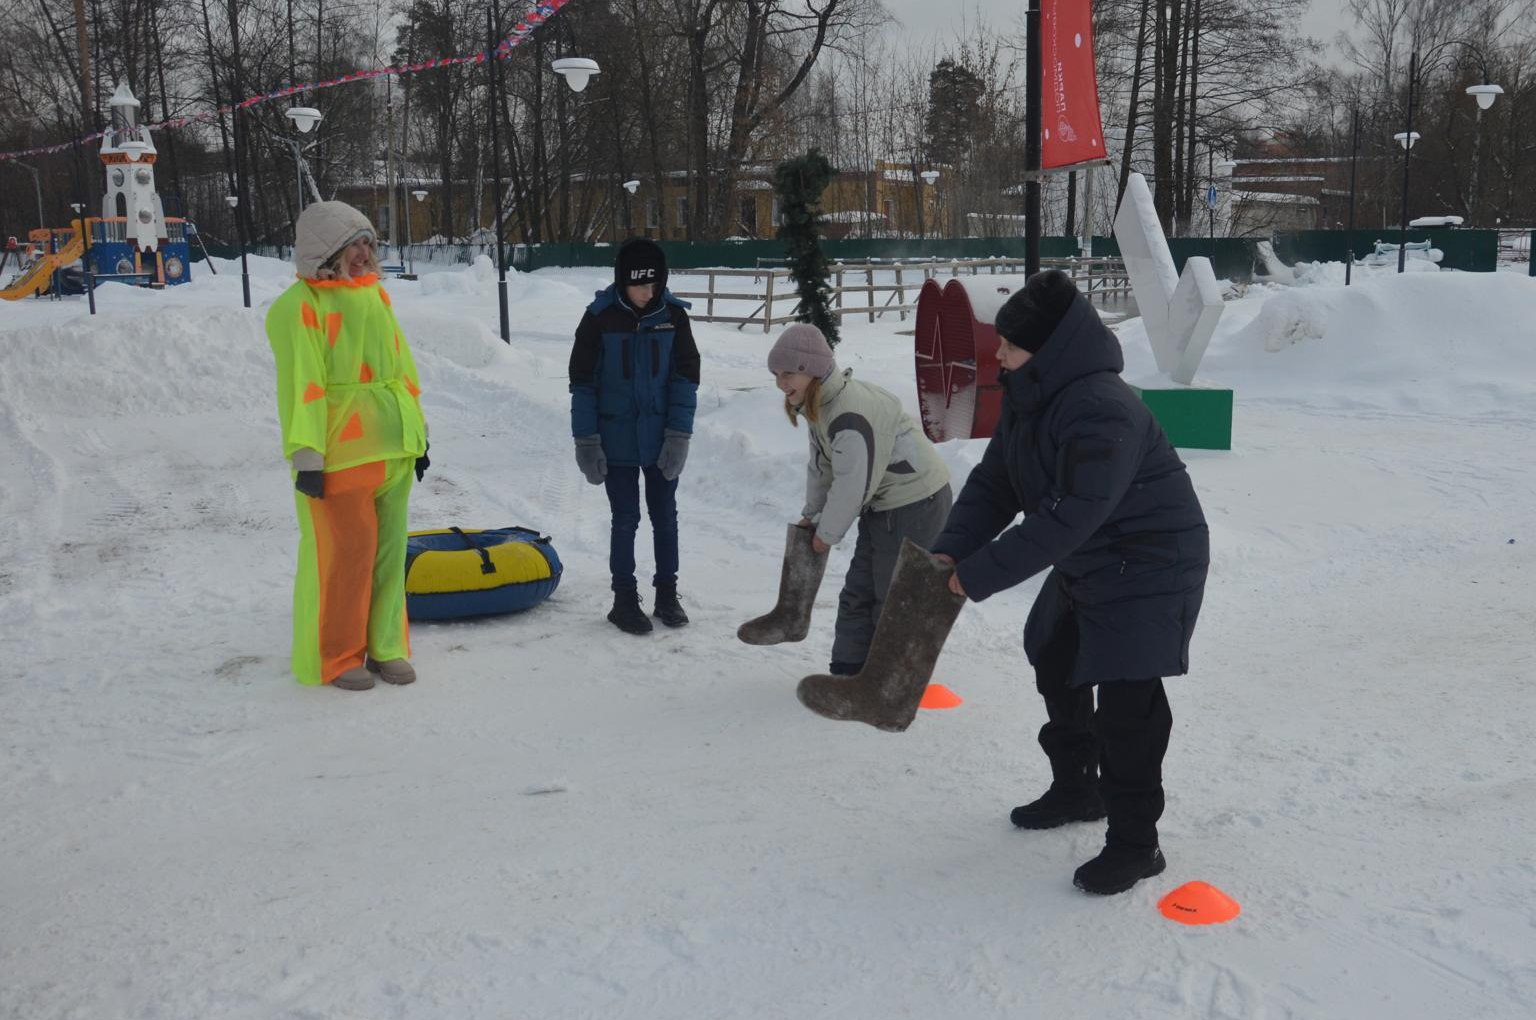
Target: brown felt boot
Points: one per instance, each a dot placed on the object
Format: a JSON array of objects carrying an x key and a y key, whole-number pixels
[
  {"x": 393, "y": 671},
  {"x": 918, "y": 614},
  {"x": 355, "y": 679},
  {"x": 799, "y": 581}
]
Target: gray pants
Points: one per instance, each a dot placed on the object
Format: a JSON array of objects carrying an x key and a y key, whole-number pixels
[{"x": 874, "y": 560}]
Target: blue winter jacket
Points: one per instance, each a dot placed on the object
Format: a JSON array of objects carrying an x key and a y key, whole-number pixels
[
  {"x": 634, "y": 375},
  {"x": 1106, "y": 501}
]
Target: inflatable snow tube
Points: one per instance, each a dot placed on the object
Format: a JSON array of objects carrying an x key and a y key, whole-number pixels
[{"x": 453, "y": 573}]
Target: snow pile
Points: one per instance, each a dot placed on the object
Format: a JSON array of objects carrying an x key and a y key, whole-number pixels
[
  {"x": 1450, "y": 343},
  {"x": 585, "y": 824}
]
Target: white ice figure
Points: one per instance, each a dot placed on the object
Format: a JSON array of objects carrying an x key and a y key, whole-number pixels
[{"x": 1180, "y": 312}]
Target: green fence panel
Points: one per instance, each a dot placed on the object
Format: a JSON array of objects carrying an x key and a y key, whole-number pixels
[
  {"x": 1473, "y": 251},
  {"x": 1531, "y": 254}
]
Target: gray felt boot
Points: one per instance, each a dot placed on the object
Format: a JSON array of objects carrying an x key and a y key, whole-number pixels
[
  {"x": 790, "y": 620},
  {"x": 918, "y": 613}
]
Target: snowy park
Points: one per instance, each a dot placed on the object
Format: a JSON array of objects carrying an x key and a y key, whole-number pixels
[{"x": 561, "y": 820}]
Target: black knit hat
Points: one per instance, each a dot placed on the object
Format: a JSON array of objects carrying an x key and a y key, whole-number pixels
[
  {"x": 1028, "y": 319},
  {"x": 640, "y": 261}
]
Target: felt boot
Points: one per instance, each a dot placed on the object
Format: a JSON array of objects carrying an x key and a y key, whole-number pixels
[
  {"x": 914, "y": 623},
  {"x": 790, "y": 620},
  {"x": 355, "y": 679},
  {"x": 393, "y": 671}
]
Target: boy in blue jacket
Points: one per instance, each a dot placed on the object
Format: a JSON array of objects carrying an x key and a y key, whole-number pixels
[{"x": 634, "y": 387}]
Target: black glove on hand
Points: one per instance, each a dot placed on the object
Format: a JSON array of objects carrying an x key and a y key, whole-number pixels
[
  {"x": 423, "y": 462},
  {"x": 310, "y": 483}
]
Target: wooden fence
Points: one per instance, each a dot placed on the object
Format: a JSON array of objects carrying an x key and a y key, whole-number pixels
[{"x": 885, "y": 286}]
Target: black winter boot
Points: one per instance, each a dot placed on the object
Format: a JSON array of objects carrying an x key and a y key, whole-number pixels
[
  {"x": 668, "y": 609},
  {"x": 1117, "y": 868},
  {"x": 1060, "y": 805},
  {"x": 626, "y": 613},
  {"x": 844, "y": 668}
]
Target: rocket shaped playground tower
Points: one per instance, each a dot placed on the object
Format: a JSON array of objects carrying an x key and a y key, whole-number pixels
[{"x": 128, "y": 155}]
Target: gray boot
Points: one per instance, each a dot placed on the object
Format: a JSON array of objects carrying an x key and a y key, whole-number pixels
[
  {"x": 918, "y": 614},
  {"x": 790, "y": 620}
]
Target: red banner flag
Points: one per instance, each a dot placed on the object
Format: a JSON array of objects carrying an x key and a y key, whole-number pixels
[{"x": 1070, "y": 125}]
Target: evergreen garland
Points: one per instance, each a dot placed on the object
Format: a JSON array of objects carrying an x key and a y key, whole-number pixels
[{"x": 799, "y": 183}]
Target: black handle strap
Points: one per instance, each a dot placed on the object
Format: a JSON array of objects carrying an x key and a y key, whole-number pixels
[{"x": 486, "y": 566}]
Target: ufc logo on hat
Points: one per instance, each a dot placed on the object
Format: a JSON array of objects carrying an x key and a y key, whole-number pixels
[{"x": 641, "y": 275}]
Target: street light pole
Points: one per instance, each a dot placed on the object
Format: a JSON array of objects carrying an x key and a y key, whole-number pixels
[
  {"x": 1354, "y": 163},
  {"x": 1402, "y": 236},
  {"x": 501, "y": 261},
  {"x": 1032, "y": 125}
]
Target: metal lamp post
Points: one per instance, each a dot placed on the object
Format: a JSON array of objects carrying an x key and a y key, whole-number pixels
[
  {"x": 233, "y": 201},
  {"x": 1485, "y": 94},
  {"x": 304, "y": 118},
  {"x": 629, "y": 206},
  {"x": 37, "y": 184},
  {"x": 577, "y": 71},
  {"x": 410, "y": 246},
  {"x": 929, "y": 177}
]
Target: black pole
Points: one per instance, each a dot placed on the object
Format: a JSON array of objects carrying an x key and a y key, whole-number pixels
[
  {"x": 88, "y": 277},
  {"x": 1032, "y": 128},
  {"x": 234, "y": 37},
  {"x": 1354, "y": 161},
  {"x": 501, "y": 261},
  {"x": 1402, "y": 237}
]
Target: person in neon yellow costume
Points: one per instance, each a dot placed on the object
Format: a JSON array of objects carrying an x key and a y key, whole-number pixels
[{"x": 349, "y": 401}]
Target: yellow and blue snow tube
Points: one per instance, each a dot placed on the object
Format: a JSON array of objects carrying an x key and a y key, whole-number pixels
[{"x": 453, "y": 573}]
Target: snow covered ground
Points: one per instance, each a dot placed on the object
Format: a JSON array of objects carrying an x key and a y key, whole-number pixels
[{"x": 562, "y": 821}]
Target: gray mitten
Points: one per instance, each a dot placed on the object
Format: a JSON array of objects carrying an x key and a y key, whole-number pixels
[
  {"x": 674, "y": 454},
  {"x": 590, "y": 458}
]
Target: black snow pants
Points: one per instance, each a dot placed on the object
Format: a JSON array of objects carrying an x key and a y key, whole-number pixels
[{"x": 1123, "y": 741}]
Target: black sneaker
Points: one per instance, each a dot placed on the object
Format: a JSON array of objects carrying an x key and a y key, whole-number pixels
[
  {"x": 1116, "y": 869},
  {"x": 668, "y": 609},
  {"x": 1058, "y": 807},
  {"x": 627, "y": 615}
]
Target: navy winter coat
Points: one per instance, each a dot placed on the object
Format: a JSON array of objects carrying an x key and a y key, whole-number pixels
[
  {"x": 1106, "y": 501},
  {"x": 634, "y": 375}
]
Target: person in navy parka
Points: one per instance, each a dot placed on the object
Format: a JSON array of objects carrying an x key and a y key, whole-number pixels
[
  {"x": 1109, "y": 507},
  {"x": 634, "y": 381}
]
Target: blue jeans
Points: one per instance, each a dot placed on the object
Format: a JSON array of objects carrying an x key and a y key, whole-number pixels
[{"x": 623, "y": 485}]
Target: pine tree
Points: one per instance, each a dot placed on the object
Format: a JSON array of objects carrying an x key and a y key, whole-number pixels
[
  {"x": 800, "y": 182},
  {"x": 954, "y": 111}
]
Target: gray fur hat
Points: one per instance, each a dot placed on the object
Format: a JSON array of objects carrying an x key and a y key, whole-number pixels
[
  {"x": 323, "y": 230},
  {"x": 802, "y": 348}
]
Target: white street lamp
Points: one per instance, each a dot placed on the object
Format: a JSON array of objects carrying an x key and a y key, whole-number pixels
[
  {"x": 929, "y": 176},
  {"x": 304, "y": 118},
  {"x": 421, "y": 196},
  {"x": 631, "y": 186},
  {"x": 577, "y": 71},
  {"x": 1485, "y": 94},
  {"x": 1406, "y": 138},
  {"x": 231, "y": 200}
]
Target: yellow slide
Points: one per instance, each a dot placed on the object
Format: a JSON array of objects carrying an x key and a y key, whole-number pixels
[{"x": 39, "y": 278}]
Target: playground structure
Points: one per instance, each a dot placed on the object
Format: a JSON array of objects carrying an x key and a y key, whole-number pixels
[{"x": 132, "y": 241}]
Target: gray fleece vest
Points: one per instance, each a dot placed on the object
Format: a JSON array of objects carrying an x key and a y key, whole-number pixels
[{"x": 866, "y": 453}]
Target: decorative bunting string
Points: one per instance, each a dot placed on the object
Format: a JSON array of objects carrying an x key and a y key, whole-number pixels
[{"x": 542, "y": 12}]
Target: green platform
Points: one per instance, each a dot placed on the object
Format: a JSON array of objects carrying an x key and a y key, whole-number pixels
[{"x": 1194, "y": 417}]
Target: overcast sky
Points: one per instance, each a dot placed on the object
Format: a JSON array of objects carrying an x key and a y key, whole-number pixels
[{"x": 935, "y": 19}]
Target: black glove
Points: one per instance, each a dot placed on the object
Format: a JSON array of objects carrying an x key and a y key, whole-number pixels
[
  {"x": 423, "y": 462},
  {"x": 310, "y": 483}
]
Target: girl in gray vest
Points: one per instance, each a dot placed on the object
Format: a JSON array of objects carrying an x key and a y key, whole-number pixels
[{"x": 870, "y": 465}]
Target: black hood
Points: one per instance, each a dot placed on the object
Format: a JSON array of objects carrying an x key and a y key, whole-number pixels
[{"x": 1080, "y": 345}]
